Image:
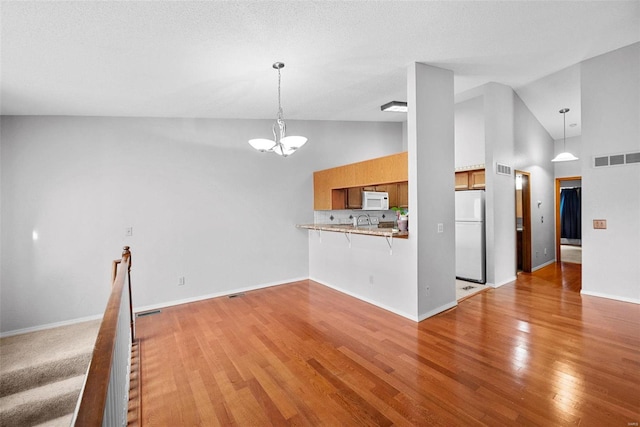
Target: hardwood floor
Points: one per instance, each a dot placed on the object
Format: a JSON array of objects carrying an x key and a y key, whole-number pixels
[{"x": 534, "y": 352}]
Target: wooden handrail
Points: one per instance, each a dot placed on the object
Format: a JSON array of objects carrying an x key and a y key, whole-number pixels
[{"x": 94, "y": 396}]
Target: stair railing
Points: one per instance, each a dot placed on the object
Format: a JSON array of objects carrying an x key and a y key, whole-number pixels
[{"x": 105, "y": 395}]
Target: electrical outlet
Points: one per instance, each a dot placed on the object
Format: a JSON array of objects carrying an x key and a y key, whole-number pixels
[
  {"x": 128, "y": 232},
  {"x": 440, "y": 228},
  {"x": 600, "y": 224},
  {"x": 545, "y": 251},
  {"x": 371, "y": 280},
  {"x": 181, "y": 281}
]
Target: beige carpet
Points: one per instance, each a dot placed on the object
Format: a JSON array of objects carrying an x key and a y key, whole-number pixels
[
  {"x": 42, "y": 372},
  {"x": 570, "y": 253}
]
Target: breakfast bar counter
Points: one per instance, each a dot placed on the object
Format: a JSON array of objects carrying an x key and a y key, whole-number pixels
[{"x": 346, "y": 228}]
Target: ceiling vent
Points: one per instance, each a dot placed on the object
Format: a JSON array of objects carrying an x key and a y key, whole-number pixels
[
  {"x": 502, "y": 169},
  {"x": 616, "y": 160}
]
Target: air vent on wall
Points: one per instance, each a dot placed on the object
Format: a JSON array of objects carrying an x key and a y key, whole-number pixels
[
  {"x": 503, "y": 169},
  {"x": 616, "y": 159}
]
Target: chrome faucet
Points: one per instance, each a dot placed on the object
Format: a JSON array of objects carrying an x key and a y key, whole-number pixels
[{"x": 357, "y": 222}]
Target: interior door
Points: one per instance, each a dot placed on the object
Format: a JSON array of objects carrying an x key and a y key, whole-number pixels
[{"x": 523, "y": 221}]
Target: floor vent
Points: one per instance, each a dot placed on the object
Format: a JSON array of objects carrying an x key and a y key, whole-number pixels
[
  {"x": 502, "y": 169},
  {"x": 616, "y": 159},
  {"x": 468, "y": 288},
  {"x": 236, "y": 295},
  {"x": 147, "y": 313}
]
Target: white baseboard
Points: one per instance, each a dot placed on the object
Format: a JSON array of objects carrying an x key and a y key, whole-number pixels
[
  {"x": 148, "y": 307},
  {"x": 609, "y": 296},
  {"x": 50, "y": 326},
  {"x": 543, "y": 265},
  {"x": 504, "y": 282},
  {"x": 367, "y": 300},
  {"x": 437, "y": 310},
  {"x": 214, "y": 295}
]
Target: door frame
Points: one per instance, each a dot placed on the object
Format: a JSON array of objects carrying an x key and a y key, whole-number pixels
[
  {"x": 526, "y": 220},
  {"x": 558, "y": 181}
]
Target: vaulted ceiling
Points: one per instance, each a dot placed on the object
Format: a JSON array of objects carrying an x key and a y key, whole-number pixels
[{"x": 343, "y": 58}]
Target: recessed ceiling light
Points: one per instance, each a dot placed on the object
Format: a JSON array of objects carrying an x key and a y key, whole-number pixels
[{"x": 395, "y": 106}]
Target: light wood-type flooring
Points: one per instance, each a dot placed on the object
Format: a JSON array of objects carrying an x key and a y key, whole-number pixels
[{"x": 534, "y": 352}]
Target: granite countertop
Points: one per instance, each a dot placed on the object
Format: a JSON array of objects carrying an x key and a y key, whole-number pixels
[{"x": 346, "y": 228}]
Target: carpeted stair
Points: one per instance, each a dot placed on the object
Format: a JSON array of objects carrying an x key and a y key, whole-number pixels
[{"x": 41, "y": 374}]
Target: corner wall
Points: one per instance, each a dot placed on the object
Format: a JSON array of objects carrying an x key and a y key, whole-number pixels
[
  {"x": 533, "y": 150},
  {"x": 610, "y": 125},
  {"x": 430, "y": 124},
  {"x": 500, "y": 189}
]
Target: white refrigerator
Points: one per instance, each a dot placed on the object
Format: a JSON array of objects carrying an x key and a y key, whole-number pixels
[{"x": 470, "y": 236}]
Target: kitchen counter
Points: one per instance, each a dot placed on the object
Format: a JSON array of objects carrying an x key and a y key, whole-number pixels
[{"x": 346, "y": 228}]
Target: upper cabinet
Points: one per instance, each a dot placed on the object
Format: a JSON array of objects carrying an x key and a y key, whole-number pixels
[
  {"x": 470, "y": 180},
  {"x": 351, "y": 198},
  {"x": 476, "y": 179},
  {"x": 339, "y": 188},
  {"x": 403, "y": 194},
  {"x": 462, "y": 180}
]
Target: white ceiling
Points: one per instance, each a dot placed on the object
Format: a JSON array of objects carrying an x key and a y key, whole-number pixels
[{"x": 343, "y": 58}]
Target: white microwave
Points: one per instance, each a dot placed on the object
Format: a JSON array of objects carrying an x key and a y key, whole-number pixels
[{"x": 375, "y": 200}]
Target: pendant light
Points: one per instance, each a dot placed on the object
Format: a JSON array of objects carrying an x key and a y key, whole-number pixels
[
  {"x": 281, "y": 144},
  {"x": 565, "y": 156}
]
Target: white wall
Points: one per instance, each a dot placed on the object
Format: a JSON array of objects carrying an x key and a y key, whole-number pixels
[
  {"x": 430, "y": 124},
  {"x": 533, "y": 150},
  {"x": 573, "y": 146},
  {"x": 611, "y": 124},
  {"x": 201, "y": 202},
  {"x": 366, "y": 269},
  {"x": 500, "y": 189},
  {"x": 469, "y": 135}
]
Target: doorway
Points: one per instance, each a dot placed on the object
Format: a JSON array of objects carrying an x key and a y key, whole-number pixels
[
  {"x": 523, "y": 221},
  {"x": 569, "y": 219}
]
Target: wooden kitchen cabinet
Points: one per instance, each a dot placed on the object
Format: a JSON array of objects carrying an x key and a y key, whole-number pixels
[
  {"x": 322, "y": 192},
  {"x": 403, "y": 195},
  {"x": 369, "y": 173},
  {"x": 476, "y": 179},
  {"x": 354, "y": 198},
  {"x": 470, "y": 180},
  {"x": 392, "y": 191},
  {"x": 462, "y": 180}
]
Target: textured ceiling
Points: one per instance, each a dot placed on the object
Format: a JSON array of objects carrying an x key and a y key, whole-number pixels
[{"x": 343, "y": 59}]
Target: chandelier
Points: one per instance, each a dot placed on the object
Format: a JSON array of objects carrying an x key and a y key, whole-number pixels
[{"x": 281, "y": 144}]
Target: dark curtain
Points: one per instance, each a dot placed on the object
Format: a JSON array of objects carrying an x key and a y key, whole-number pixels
[{"x": 570, "y": 215}]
